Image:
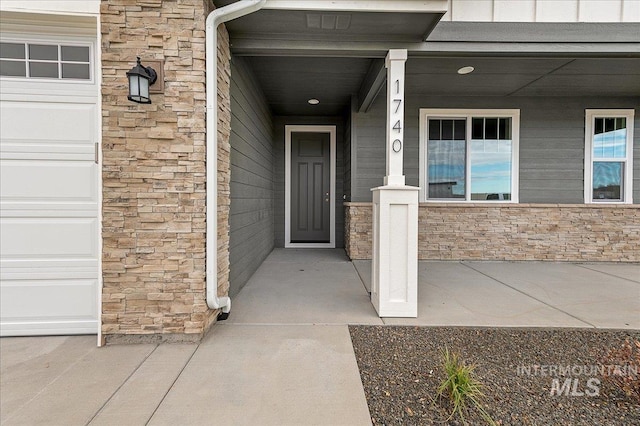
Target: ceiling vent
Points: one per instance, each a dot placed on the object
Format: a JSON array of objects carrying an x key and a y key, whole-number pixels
[{"x": 319, "y": 21}]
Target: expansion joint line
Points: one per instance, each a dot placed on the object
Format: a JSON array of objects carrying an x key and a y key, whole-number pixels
[
  {"x": 528, "y": 295},
  {"x": 121, "y": 385},
  {"x": 172, "y": 384}
]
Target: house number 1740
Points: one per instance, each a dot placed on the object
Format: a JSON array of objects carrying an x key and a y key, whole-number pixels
[{"x": 396, "y": 105}]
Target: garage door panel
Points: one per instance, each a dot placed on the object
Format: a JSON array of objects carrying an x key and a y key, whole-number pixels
[
  {"x": 49, "y": 201},
  {"x": 46, "y": 150},
  {"x": 60, "y": 121},
  {"x": 48, "y": 269},
  {"x": 56, "y": 298},
  {"x": 46, "y": 238},
  {"x": 48, "y": 181},
  {"x": 46, "y": 328},
  {"x": 48, "y": 306}
]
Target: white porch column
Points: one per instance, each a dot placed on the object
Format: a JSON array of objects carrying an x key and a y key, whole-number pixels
[{"x": 394, "y": 287}]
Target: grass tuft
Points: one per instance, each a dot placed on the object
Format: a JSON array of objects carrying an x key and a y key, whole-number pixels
[{"x": 461, "y": 386}]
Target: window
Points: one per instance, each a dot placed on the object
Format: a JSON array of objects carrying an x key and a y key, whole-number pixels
[
  {"x": 41, "y": 60},
  {"x": 608, "y": 156},
  {"x": 469, "y": 155}
]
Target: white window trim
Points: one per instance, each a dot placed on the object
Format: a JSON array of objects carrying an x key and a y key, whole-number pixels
[
  {"x": 590, "y": 116},
  {"x": 54, "y": 41},
  {"x": 426, "y": 113}
]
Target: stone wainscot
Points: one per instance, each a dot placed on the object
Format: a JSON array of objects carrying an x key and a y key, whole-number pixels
[{"x": 552, "y": 232}]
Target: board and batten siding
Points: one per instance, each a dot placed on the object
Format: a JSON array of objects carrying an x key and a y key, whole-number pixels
[
  {"x": 251, "y": 217},
  {"x": 552, "y": 143},
  {"x": 279, "y": 178},
  {"x": 543, "y": 11}
]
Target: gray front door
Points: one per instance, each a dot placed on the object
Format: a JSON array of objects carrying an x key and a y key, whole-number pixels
[{"x": 310, "y": 187}]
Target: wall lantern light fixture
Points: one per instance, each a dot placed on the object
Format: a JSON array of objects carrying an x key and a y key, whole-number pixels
[{"x": 140, "y": 78}]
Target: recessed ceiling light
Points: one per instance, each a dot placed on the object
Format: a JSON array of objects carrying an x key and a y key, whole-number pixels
[
  {"x": 313, "y": 101},
  {"x": 466, "y": 70}
]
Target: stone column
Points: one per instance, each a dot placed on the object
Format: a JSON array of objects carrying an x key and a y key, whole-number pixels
[
  {"x": 153, "y": 172},
  {"x": 394, "y": 287}
]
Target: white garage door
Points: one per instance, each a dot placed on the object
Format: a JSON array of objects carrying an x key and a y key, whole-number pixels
[{"x": 49, "y": 187}]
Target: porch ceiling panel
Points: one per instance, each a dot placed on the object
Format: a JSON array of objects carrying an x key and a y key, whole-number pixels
[
  {"x": 589, "y": 84},
  {"x": 484, "y": 65},
  {"x": 500, "y": 76},
  {"x": 288, "y": 83},
  {"x": 466, "y": 85},
  {"x": 618, "y": 66},
  {"x": 332, "y": 55},
  {"x": 328, "y": 25}
]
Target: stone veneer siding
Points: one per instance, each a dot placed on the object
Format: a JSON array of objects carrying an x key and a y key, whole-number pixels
[
  {"x": 153, "y": 171},
  {"x": 554, "y": 232}
]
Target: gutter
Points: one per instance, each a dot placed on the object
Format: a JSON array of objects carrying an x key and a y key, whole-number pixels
[{"x": 215, "y": 18}]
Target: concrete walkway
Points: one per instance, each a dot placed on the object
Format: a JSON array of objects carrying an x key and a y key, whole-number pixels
[{"x": 284, "y": 356}]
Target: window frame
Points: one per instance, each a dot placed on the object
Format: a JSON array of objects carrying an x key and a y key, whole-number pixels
[
  {"x": 468, "y": 115},
  {"x": 627, "y": 183},
  {"x": 59, "y": 42}
]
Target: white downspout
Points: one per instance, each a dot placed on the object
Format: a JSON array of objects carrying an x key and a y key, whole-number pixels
[{"x": 215, "y": 18}]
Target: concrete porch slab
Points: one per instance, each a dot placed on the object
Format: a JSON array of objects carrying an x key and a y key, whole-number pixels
[
  {"x": 292, "y": 286},
  {"x": 523, "y": 294},
  {"x": 363, "y": 267},
  {"x": 450, "y": 293},
  {"x": 269, "y": 375},
  {"x": 629, "y": 272},
  {"x": 602, "y": 300}
]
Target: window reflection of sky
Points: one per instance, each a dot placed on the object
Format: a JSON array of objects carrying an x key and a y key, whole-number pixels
[
  {"x": 490, "y": 165},
  {"x": 610, "y": 144},
  {"x": 490, "y": 178},
  {"x": 606, "y": 174},
  {"x": 446, "y": 162}
]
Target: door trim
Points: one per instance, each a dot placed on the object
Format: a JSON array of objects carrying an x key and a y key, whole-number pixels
[{"x": 331, "y": 130}]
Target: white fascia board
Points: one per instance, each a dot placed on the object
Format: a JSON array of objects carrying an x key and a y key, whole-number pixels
[
  {"x": 406, "y": 6},
  {"x": 84, "y": 7},
  {"x": 48, "y": 24}
]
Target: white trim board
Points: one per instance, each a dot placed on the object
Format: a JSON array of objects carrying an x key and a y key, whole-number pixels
[
  {"x": 426, "y": 113},
  {"x": 407, "y": 6},
  {"x": 287, "y": 186},
  {"x": 627, "y": 184}
]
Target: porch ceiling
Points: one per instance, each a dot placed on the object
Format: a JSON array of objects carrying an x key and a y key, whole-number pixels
[
  {"x": 499, "y": 76},
  {"x": 325, "y": 21},
  {"x": 288, "y": 82},
  {"x": 332, "y": 55}
]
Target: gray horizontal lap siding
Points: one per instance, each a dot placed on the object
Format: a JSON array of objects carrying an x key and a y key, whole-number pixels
[
  {"x": 551, "y": 143},
  {"x": 636, "y": 155},
  {"x": 347, "y": 161},
  {"x": 251, "y": 214}
]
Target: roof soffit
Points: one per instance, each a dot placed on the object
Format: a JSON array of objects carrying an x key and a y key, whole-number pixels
[{"x": 346, "y": 20}]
